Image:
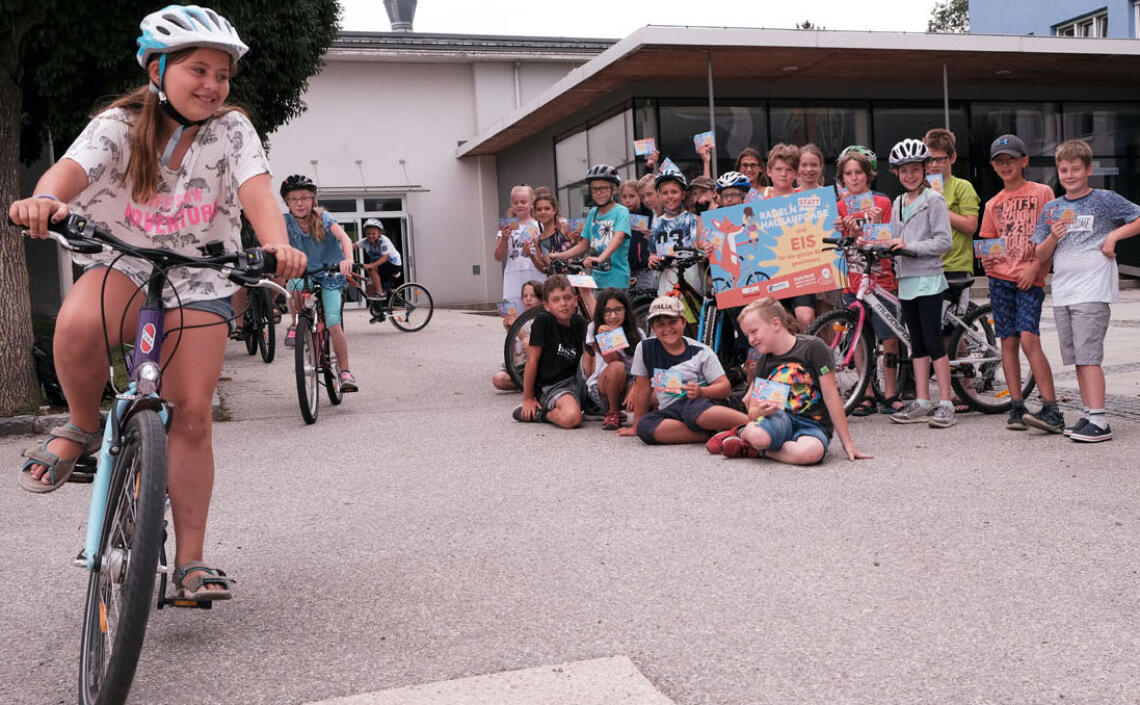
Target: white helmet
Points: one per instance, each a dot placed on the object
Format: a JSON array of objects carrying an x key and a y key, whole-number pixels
[
  {"x": 181, "y": 26},
  {"x": 909, "y": 151},
  {"x": 372, "y": 223}
]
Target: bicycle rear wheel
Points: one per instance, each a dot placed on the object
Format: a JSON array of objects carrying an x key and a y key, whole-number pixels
[
  {"x": 249, "y": 326},
  {"x": 305, "y": 369},
  {"x": 516, "y": 343},
  {"x": 853, "y": 352},
  {"x": 119, "y": 591},
  {"x": 267, "y": 341},
  {"x": 410, "y": 307},
  {"x": 976, "y": 372}
]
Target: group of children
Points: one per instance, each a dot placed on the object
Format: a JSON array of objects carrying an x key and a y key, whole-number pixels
[{"x": 676, "y": 388}]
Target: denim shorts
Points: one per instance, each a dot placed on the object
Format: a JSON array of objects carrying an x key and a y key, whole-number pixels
[
  {"x": 1015, "y": 311},
  {"x": 782, "y": 427},
  {"x": 684, "y": 410},
  {"x": 550, "y": 395},
  {"x": 222, "y": 306}
]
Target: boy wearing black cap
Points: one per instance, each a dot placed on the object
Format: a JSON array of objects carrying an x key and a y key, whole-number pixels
[{"x": 1017, "y": 282}]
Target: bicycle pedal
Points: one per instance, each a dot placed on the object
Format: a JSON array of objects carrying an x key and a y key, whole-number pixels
[{"x": 84, "y": 471}]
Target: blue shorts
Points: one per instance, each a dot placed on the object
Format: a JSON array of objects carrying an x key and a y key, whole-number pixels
[
  {"x": 330, "y": 300},
  {"x": 782, "y": 427},
  {"x": 1015, "y": 311},
  {"x": 684, "y": 410},
  {"x": 222, "y": 307}
]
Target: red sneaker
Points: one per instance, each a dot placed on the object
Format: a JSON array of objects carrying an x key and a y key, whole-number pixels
[
  {"x": 737, "y": 447},
  {"x": 612, "y": 422},
  {"x": 715, "y": 443}
]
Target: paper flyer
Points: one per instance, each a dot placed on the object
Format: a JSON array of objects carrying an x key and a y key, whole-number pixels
[
  {"x": 506, "y": 308},
  {"x": 990, "y": 247},
  {"x": 668, "y": 381},
  {"x": 639, "y": 222},
  {"x": 575, "y": 226},
  {"x": 611, "y": 341},
  {"x": 511, "y": 223},
  {"x": 935, "y": 181},
  {"x": 859, "y": 203},
  {"x": 530, "y": 232},
  {"x": 767, "y": 390},
  {"x": 668, "y": 165},
  {"x": 665, "y": 249},
  {"x": 704, "y": 139},
  {"x": 773, "y": 248},
  {"x": 645, "y": 147},
  {"x": 877, "y": 232},
  {"x": 582, "y": 281}
]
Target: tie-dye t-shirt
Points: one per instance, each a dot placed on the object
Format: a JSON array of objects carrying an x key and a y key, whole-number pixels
[
  {"x": 195, "y": 204},
  {"x": 801, "y": 369}
]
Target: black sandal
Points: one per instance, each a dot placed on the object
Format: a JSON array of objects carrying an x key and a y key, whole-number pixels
[
  {"x": 865, "y": 408},
  {"x": 888, "y": 407}
]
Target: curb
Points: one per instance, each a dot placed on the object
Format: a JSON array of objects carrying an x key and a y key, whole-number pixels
[{"x": 32, "y": 425}]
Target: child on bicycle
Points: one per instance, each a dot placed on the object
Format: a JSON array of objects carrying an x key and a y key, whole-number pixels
[
  {"x": 607, "y": 230},
  {"x": 1017, "y": 283},
  {"x": 551, "y": 390},
  {"x": 531, "y": 296},
  {"x": 166, "y": 137},
  {"x": 608, "y": 379},
  {"x": 686, "y": 413},
  {"x": 309, "y": 228},
  {"x": 797, "y": 429},
  {"x": 1080, "y": 231},
  {"x": 519, "y": 268},
  {"x": 855, "y": 174},
  {"x": 382, "y": 262},
  {"x": 676, "y": 227},
  {"x": 922, "y": 226},
  {"x": 554, "y": 243}
]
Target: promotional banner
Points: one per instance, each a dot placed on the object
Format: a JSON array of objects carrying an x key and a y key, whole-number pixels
[{"x": 773, "y": 247}]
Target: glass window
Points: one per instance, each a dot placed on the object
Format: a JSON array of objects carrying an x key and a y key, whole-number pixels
[
  {"x": 570, "y": 158},
  {"x": 1038, "y": 124},
  {"x": 736, "y": 127},
  {"x": 383, "y": 204},
  {"x": 895, "y": 123},
  {"x": 606, "y": 141},
  {"x": 1111, "y": 129},
  {"x": 339, "y": 205},
  {"x": 572, "y": 201},
  {"x": 644, "y": 118},
  {"x": 829, "y": 128}
]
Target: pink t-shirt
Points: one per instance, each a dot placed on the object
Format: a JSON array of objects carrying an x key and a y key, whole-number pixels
[{"x": 1013, "y": 215}]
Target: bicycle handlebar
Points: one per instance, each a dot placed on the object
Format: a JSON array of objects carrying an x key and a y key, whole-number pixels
[
  {"x": 849, "y": 243},
  {"x": 683, "y": 257}
]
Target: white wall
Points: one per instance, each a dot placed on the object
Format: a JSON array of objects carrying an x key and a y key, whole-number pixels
[{"x": 381, "y": 112}]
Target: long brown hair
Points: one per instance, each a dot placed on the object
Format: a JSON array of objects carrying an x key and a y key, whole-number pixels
[{"x": 143, "y": 140}]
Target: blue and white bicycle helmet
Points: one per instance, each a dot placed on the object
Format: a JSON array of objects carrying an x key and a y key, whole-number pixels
[
  {"x": 177, "y": 27},
  {"x": 909, "y": 151},
  {"x": 733, "y": 179}
]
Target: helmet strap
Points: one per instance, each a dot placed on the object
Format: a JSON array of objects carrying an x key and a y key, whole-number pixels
[{"x": 171, "y": 112}]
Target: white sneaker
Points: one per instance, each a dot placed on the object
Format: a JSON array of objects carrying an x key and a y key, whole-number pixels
[{"x": 914, "y": 412}]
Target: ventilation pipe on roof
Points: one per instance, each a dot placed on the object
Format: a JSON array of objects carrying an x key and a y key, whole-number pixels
[{"x": 401, "y": 13}]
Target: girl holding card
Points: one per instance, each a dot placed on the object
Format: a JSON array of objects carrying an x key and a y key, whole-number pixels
[
  {"x": 511, "y": 237},
  {"x": 531, "y": 296},
  {"x": 553, "y": 242},
  {"x": 793, "y": 419},
  {"x": 610, "y": 340}
]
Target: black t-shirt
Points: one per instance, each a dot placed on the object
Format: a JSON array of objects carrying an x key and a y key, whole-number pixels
[
  {"x": 561, "y": 348},
  {"x": 800, "y": 368},
  {"x": 639, "y": 246}
]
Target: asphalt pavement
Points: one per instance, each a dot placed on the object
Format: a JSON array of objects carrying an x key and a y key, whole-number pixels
[{"x": 416, "y": 545}]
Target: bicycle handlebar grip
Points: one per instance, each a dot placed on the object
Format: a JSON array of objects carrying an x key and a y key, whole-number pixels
[
  {"x": 270, "y": 262},
  {"x": 905, "y": 252},
  {"x": 833, "y": 240}
]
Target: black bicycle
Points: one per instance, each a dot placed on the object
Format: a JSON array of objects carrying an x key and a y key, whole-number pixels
[
  {"x": 257, "y": 326},
  {"x": 409, "y": 306},
  {"x": 315, "y": 363}
]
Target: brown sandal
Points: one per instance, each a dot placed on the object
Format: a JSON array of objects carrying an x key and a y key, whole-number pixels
[
  {"x": 58, "y": 469},
  {"x": 198, "y": 589}
]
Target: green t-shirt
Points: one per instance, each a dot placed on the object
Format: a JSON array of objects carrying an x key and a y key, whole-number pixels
[{"x": 962, "y": 199}]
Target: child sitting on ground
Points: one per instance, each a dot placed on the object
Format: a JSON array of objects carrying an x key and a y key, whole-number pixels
[
  {"x": 685, "y": 412},
  {"x": 607, "y": 374},
  {"x": 531, "y": 297},
  {"x": 797, "y": 429},
  {"x": 551, "y": 390}
]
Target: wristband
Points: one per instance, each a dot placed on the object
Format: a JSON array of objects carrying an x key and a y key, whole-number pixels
[{"x": 46, "y": 195}]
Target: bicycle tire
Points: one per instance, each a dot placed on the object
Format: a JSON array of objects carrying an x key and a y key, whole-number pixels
[
  {"x": 641, "y": 315},
  {"x": 267, "y": 341},
  {"x": 407, "y": 303},
  {"x": 128, "y": 557},
  {"x": 981, "y": 383},
  {"x": 708, "y": 322},
  {"x": 250, "y": 329},
  {"x": 840, "y": 330},
  {"x": 331, "y": 370},
  {"x": 514, "y": 361},
  {"x": 305, "y": 369}
]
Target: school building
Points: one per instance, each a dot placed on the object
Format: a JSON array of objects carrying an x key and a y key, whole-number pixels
[
  {"x": 428, "y": 132},
  {"x": 1059, "y": 18}
]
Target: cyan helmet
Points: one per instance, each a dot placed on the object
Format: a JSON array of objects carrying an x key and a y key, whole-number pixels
[
  {"x": 177, "y": 27},
  {"x": 733, "y": 179}
]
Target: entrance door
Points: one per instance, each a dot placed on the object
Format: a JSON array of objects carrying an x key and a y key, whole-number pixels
[{"x": 351, "y": 212}]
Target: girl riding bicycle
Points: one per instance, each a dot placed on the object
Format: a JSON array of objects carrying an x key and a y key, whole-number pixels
[
  {"x": 180, "y": 164},
  {"x": 309, "y": 228}
]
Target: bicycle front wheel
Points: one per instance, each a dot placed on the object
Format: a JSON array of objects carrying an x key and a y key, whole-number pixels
[
  {"x": 331, "y": 371},
  {"x": 119, "y": 590},
  {"x": 853, "y": 353},
  {"x": 410, "y": 307},
  {"x": 249, "y": 326},
  {"x": 305, "y": 368},
  {"x": 516, "y": 343},
  {"x": 976, "y": 372},
  {"x": 267, "y": 341}
]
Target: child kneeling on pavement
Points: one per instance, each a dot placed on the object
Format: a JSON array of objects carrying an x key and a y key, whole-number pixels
[
  {"x": 797, "y": 430},
  {"x": 688, "y": 414},
  {"x": 551, "y": 389}
]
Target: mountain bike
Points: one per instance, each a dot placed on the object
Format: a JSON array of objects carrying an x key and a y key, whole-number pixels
[
  {"x": 409, "y": 306},
  {"x": 976, "y": 372},
  {"x": 314, "y": 360},
  {"x": 126, "y": 531},
  {"x": 258, "y": 330}
]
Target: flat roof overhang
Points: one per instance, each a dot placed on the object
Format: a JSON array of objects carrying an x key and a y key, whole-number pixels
[{"x": 682, "y": 54}]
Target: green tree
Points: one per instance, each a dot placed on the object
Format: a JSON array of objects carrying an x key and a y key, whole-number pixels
[
  {"x": 62, "y": 58},
  {"x": 949, "y": 16}
]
